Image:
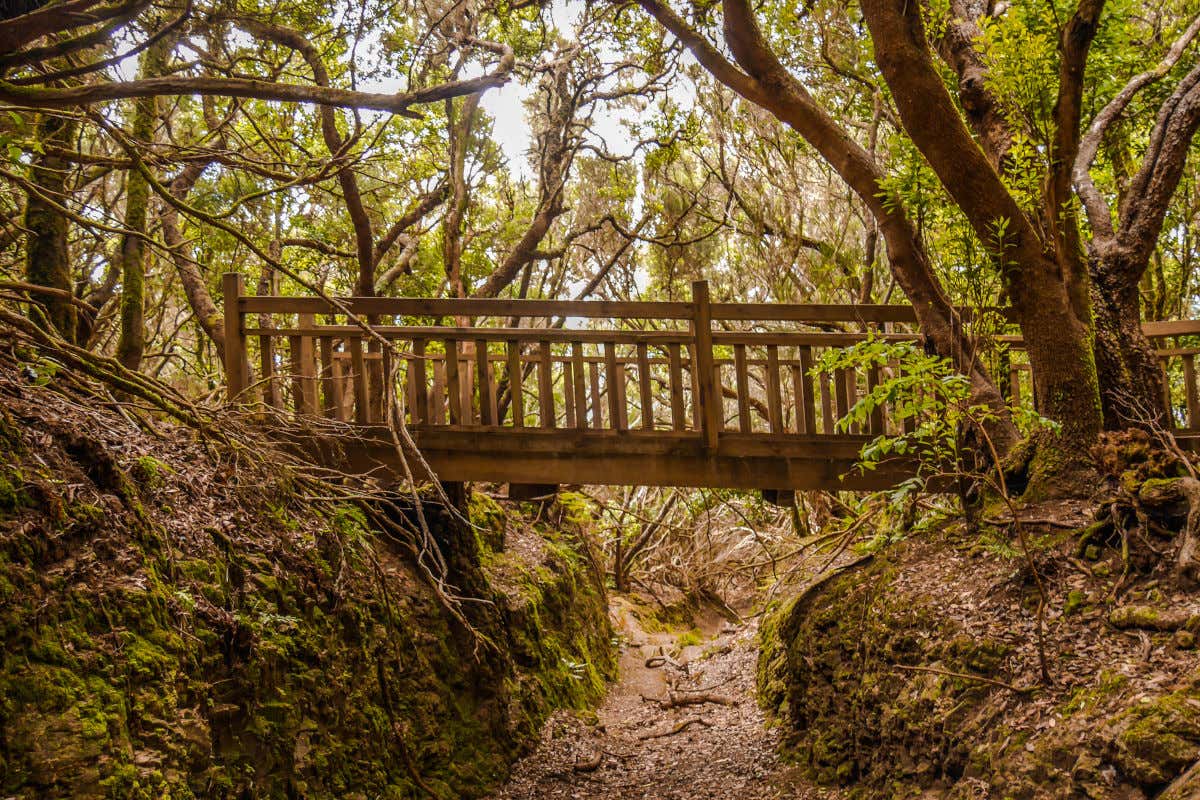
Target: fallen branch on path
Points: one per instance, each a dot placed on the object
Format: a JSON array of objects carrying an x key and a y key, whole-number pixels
[
  {"x": 679, "y": 727},
  {"x": 673, "y": 700}
]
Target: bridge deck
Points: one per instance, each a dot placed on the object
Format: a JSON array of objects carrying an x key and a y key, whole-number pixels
[{"x": 665, "y": 393}]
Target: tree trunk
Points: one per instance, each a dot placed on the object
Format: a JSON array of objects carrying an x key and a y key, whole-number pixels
[
  {"x": 47, "y": 254},
  {"x": 1130, "y": 380},
  {"x": 1066, "y": 386},
  {"x": 132, "y": 253}
]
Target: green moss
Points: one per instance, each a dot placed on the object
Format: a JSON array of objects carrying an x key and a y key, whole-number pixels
[
  {"x": 691, "y": 638},
  {"x": 1159, "y": 738}
]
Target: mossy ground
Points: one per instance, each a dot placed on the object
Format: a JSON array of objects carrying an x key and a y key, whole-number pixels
[
  {"x": 878, "y": 679},
  {"x": 177, "y": 624}
]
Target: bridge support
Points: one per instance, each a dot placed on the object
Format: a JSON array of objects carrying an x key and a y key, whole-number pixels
[
  {"x": 529, "y": 492},
  {"x": 784, "y": 498}
]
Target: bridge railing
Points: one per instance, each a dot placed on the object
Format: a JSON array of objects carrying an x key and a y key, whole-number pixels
[
  {"x": 693, "y": 367},
  {"x": 687, "y": 367}
]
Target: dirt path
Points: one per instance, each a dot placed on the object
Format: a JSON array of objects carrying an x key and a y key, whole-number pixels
[{"x": 638, "y": 749}]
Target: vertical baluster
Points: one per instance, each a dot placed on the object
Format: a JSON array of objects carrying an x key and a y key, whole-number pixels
[
  {"x": 594, "y": 386},
  {"x": 437, "y": 399},
  {"x": 579, "y": 379},
  {"x": 718, "y": 397},
  {"x": 1189, "y": 385},
  {"x": 410, "y": 409},
  {"x": 774, "y": 391},
  {"x": 516, "y": 395},
  {"x": 877, "y": 420},
  {"x": 742, "y": 382},
  {"x": 1014, "y": 385},
  {"x": 358, "y": 368},
  {"x": 454, "y": 393},
  {"x": 233, "y": 286},
  {"x": 805, "y": 397},
  {"x": 417, "y": 377},
  {"x": 1166, "y": 390},
  {"x": 841, "y": 378},
  {"x": 266, "y": 364},
  {"x": 694, "y": 384},
  {"x": 710, "y": 392},
  {"x": 545, "y": 386},
  {"x": 569, "y": 406},
  {"x": 330, "y": 394},
  {"x": 611, "y": 381},
  {"x": 827, "y": 418},
  {"x": 483, "y": 377},
  {"x": 466, "y": 381},
  {"x": 676, "y": 370},
  {"x": 645, "y": 389},
  {"x": 621, "y": 423}
]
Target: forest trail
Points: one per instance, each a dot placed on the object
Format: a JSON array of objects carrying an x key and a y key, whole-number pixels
[{"x": 638, "y": 749}]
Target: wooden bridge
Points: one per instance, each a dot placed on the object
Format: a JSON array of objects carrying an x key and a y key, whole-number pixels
[{"x": 654, "y": 393}]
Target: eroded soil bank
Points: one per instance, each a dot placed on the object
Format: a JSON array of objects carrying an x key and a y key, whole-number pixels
[
  {"x": 917, "y": 673},
  {"x": 178, "y": 621}
]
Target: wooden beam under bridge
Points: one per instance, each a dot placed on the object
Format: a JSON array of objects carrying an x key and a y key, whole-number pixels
[{"x": 658, "y": 458}]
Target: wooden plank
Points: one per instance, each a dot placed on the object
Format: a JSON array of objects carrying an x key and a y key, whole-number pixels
[
  {"x": 847, "y": 394},
  {"x": 611, "y": 379},
  {"x": 742, "y": 383},
  {"x": 827, "y": 418},
  {"x": 594, "y": 386},
  {"x": 1014, "y": 386},
  {"x": 531, "y": 455},
  {"x": 473, "y": 307},
  {"x": 1189, "y": 386},
  {"x": 694, "y": 383},
  {"x": 453, "y": 383},
  {"x": 579, "y": 381},
  {"x": 591, "y": 336},
  {"x": 266, "y": 367},
  {"x": 487, "y": 389},
  {"x": 774, "y": 391},
  {"x": 467, "y": 382},
  {"x": 545, "y": 368},
  {"x": 806, "y": 397},
  {"x": 330, "y": 396},
  {"x": 569, "y": 406},
  {"x": 809, "y": 312},
  {"x": 877, "y": 423},
  {"x": 358, "y": 367},
  {"x": 621, "y": 422},
  {"x": 645, "y": 387},
  {"x": 1166, "y": 390},
  {"x": 710, "y": 397},
  {"x": 418, "y": 376},
  {"x": 437, "y": 398},
  {"x": 676, "y": 386},
  {"x": 516, "y": 391}
]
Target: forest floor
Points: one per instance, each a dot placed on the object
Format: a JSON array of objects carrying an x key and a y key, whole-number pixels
[{"x": 641, "y": 745}]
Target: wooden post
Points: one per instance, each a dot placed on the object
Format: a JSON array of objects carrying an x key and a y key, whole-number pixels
[
  {"x": 580, "y": 385},
  {"x": 702, "y": 332},
  {"x": 237, "y": 368}
]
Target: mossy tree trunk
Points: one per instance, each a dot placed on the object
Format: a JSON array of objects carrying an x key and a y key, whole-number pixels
[
  {"x": 131, "y": 253},
  {"x": 47, "y": 252}
]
